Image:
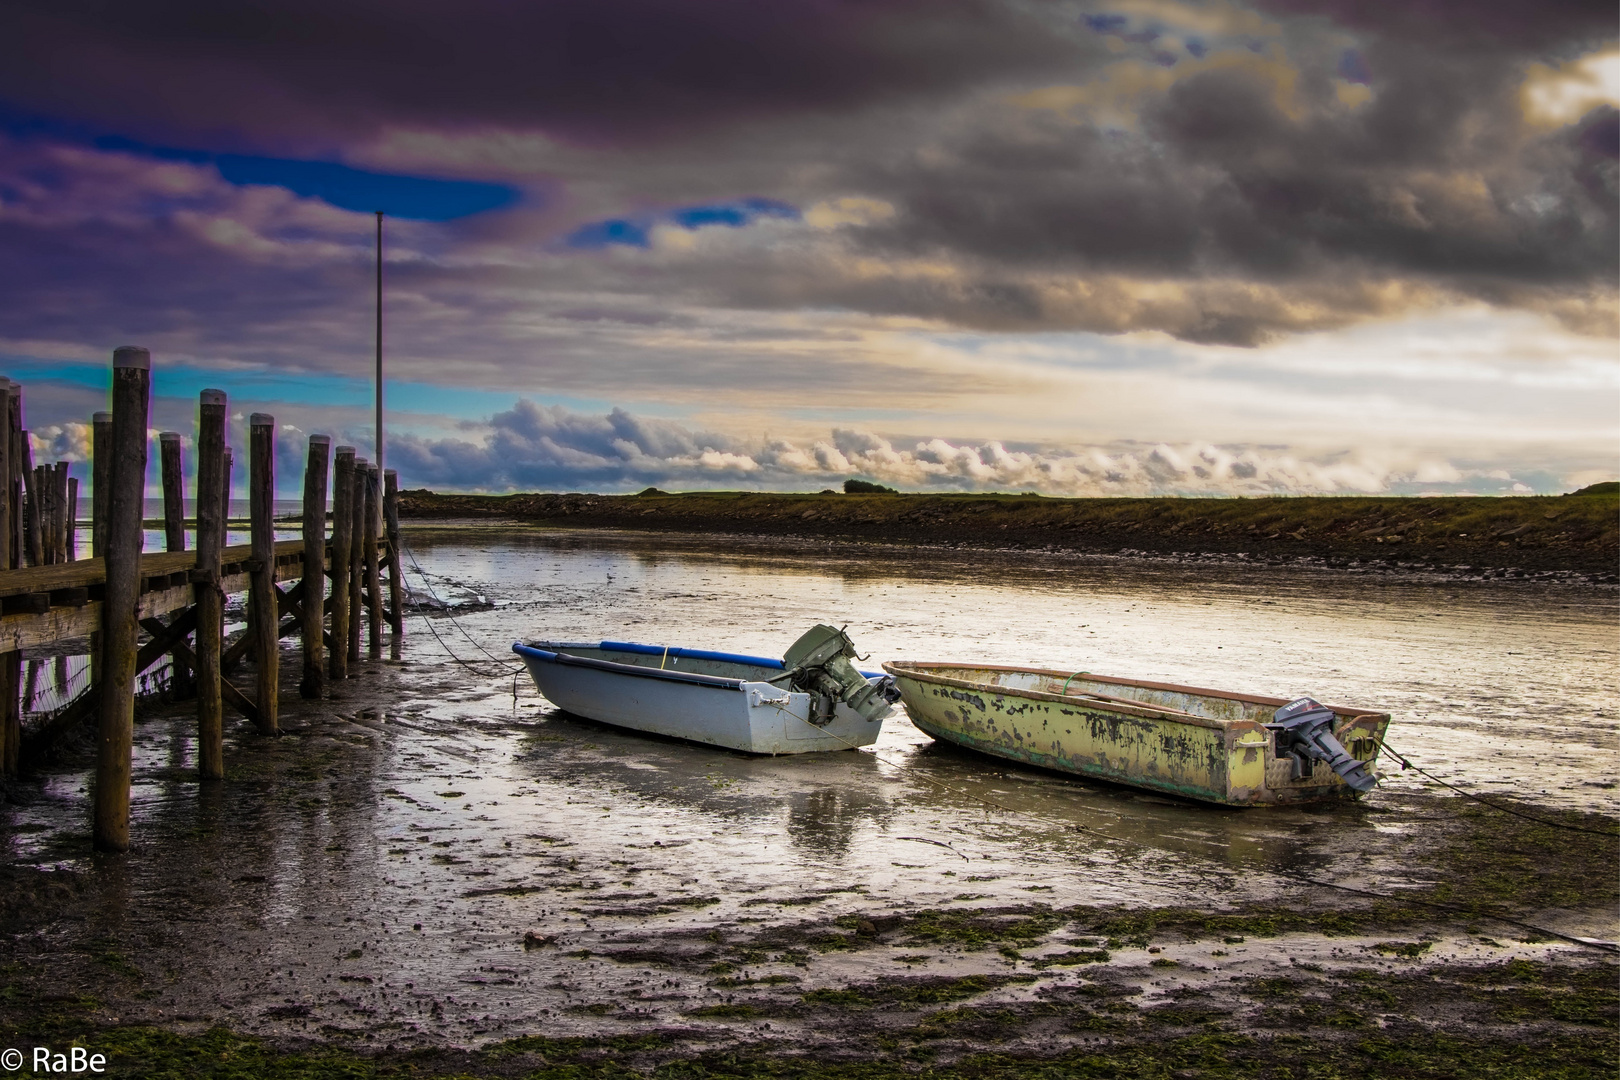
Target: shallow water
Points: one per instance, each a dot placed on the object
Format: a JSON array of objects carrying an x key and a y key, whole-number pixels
[
  {"x": 1508, "y": 688},
  {"x": 392, "y": 855}
]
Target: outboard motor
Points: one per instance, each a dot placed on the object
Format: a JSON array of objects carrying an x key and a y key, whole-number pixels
[
  {"x": 1304, "y": 730},
  {"x": 819, "y": 664}
]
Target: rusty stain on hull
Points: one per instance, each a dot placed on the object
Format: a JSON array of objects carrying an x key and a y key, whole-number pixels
[{"x": 1198, "y": 743}]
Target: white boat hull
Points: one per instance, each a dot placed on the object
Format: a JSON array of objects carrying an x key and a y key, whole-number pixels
[{"x": 719, "y": 699}]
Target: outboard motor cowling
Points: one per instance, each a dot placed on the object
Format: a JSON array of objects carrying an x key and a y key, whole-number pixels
[
  {"x": 819, "y": 664},
  {"x": 1304, "y": 729}
]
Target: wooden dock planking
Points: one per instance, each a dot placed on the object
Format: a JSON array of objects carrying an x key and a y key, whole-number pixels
[{"x": 64, "y": 622}]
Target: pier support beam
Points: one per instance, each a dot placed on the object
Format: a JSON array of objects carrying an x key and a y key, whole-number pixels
[
  {"x": 174, "y": 495},
  {"x": 264, "y": 622},
  {"x": 33, "y": 526},
  {"x": 10, "y": 704},
  {"x": 342, "y": 541},
  {"x": 174, "y": 539},
  {"x": 314, "y": 583},
  {"x": 396, "y": 580},
  {"x": 59, "y": 513},
  {"x": 357, "y": 555},
  {"x": 131, "y": 391},
  {"x": 212, "y": 483},
  {"x": 373, "y": 526}
]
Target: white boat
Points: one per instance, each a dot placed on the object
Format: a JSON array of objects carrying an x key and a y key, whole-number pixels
[{"x": 750, "y": 703}]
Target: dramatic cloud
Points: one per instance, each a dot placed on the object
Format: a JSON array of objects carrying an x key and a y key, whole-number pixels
[
  {"x": 304, "y": 71},
  {"x": 759, "y": 218},
  {"x": 536, "y": 447}
]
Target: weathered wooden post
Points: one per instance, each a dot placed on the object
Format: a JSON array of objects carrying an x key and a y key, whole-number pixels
[
  {"x": 357, "y": 555},
  {"x": 265, "y": 623},
  {"x": 19, "y": 443},
  {"x": 42, "y": 512},
  {"x": 174, "y": 493},
  {"x": 100, "y": 458},
  {"x": 10, "y": 663},
  {"x": 73, "y": 519},
  {"x": 212, "y": 483},
  {"x": 373, "y": 526},
  {"x": 131, "y": 390},
  {"x": 313, "y": 590},
  {"x": 36, "y": 536},
  {"x": 230, "y": 478},
  {"x": 396, "y": 580},
  {"x": 174, "y": 539},
  {"x": 59, "y": 513},
  {"x": 342, "y": 541}
]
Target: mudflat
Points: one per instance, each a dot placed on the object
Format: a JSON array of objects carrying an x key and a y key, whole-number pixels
[{"x": 436, "y": 873}]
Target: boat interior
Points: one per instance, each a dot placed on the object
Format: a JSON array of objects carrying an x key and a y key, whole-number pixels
[
  {"x": 1216, "y": 705},
  {"x": 691, "y": 661}
]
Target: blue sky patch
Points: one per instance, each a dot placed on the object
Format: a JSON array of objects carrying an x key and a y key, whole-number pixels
[
  {"x": 600, "y": 234},
  {"x": 420, "y": 198},
  {"x": 628, "y": 232}
]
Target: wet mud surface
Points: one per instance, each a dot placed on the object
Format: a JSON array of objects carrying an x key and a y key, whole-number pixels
[{"x": 434, "y": 871}]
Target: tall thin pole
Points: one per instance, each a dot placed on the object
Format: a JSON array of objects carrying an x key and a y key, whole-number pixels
[{"x": 379, "y": 342}]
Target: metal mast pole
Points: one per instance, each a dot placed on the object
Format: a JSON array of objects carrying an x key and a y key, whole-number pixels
[{"x": 379, "y": 341}]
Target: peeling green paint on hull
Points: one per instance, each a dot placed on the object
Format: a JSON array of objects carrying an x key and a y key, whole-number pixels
[{"x": 1193, "y": 742}]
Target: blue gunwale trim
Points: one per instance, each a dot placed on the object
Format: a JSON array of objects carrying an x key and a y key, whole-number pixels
[
  {"x": 548, "y": 657},
  {"x": 673, "y": 650}
]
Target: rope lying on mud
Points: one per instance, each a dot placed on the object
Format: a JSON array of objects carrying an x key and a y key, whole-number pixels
[
  {"x": 1590, "y": 943},
  {"x": 503, "y": 667},
  {"x": 1407, "y": 764}
]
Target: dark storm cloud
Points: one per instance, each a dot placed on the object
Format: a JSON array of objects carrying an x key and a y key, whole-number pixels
[
  {"x": 582, "y": 69},
  {"x": 1233, "y": 192},
  {"x": 1448, "y": 25}
]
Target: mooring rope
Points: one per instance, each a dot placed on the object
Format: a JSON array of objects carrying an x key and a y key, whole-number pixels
[
  {"x": 1406, "y": 763},
  {"x": 1590, "y": 943},
  {"x": 502, "y": 666}
]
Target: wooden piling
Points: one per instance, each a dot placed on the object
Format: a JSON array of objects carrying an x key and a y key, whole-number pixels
[
  {"x": 373, "y": 526},
  {"x": 19, "y": 440},
  {"x": 131, "y": 392},
  {"x": 59, "y": 512},
  {"x": 225, "y": 515},
  {"x": 212, "y": 483},
  {"x": 264, "y": 623},
  {"x": 174, "y": 495},
  {"x": 100, "y": 458},
  {"x": 342, "y": 542},
  {"x": 7, "y": 510},
  {"x": 35, "y": 535},
  {"x": 357, "y": 555},
  {"x": 396, "y": 579},
  {"x": 10, "y": 663},
  {"x": 73, "y": 519},
  {"x": 40, "y": 512},
  {"x": 313, "y": 594}
]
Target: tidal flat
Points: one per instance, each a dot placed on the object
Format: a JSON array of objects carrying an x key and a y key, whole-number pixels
[{"x": 434, "y": 872}]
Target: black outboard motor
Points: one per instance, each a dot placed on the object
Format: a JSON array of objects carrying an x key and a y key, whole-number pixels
[
  {"x": 819, "y": 664},
  {"x": 1304, "y": 730}
]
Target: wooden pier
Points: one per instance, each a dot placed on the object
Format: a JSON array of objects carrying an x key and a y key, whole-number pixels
[{"x": 132, "y": 609}]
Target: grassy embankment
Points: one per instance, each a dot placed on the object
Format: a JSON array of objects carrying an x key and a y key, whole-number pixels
[{"x": 1578, "y": 533}]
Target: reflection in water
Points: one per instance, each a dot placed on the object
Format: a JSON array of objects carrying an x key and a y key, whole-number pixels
[{"x": 824, "y": 820}]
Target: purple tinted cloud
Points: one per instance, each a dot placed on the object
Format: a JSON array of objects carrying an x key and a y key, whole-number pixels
[{"x": 588, "y": 70}]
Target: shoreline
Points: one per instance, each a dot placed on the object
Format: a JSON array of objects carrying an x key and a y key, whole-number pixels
[{"x": 1560, "y": 539}]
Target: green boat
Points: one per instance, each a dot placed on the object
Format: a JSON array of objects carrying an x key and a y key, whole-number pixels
[{"x": 1211, "y": 745}]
